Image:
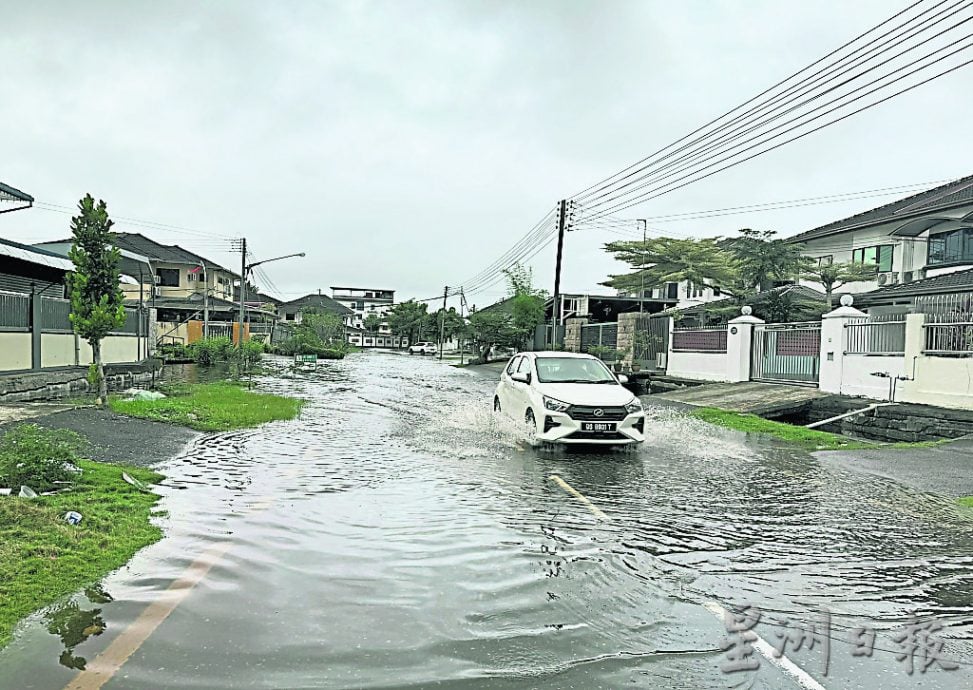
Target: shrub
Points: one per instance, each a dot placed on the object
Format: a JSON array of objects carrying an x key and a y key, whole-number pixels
[
  {"x": 247, "y": 356},
  {"x": 36, "y": 457},
  {"x": 211, "y": 350}
]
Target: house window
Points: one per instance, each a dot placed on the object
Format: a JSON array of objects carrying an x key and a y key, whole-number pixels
[
  {"x": 825, "y": 260},
  {"x": 167, "y": 277},
  {"x": 193, "y": 277},
  {"x": 880, "y": 255},
  {"x": 672, "y": 290},
  {"x": 289, "y": 317},
  {"x": 951, "y": 247}
]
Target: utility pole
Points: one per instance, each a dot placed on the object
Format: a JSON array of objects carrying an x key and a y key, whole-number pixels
[
  {"x": 442, "y": 323},
  {"x": 645, "y": 227},
  {"x": 243, "y": 283},
  {"x": 462, "y": 316},
  {"x": 556, "y": 305}
]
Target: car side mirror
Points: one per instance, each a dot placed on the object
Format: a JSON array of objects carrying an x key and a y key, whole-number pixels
[
  {"x": 622, "y": 378},
  {"x": 520, "y": 377}
]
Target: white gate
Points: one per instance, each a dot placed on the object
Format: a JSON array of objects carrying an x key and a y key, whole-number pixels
[{"x": 786, "y": 353}]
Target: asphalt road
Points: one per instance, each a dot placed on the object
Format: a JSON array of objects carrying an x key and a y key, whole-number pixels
[{"x": 399, "y": 535}]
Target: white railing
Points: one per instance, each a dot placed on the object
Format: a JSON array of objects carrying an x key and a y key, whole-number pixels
[
  {"x": 948, "y": 338},
  {"x": 876, "y": 336}
]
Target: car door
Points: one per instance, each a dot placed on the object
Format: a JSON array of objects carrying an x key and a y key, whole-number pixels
[
  {"x": 520, "y": 392},
  {"x": 506, "y": 385}
]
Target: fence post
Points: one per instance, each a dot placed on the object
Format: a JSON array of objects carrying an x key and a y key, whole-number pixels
[
  {"x": 572, "y": 334},
  {"x": 625, "y": 340},
  {"x": 833, "y": 343},
  {"x": 36, "y": 328},
  {"x": 739, "y": 343}
]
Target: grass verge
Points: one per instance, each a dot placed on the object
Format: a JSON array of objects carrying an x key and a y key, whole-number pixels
[
  {"x": 212, "y": 407},
  {"x": 811, "y": 439},
  {"x": 965, "y": 501},
  {"x": 43, "y": 558}
]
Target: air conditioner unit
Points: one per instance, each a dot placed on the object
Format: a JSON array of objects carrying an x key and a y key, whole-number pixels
[
  {"x": 888, "y": 278},
  {"x": 157, "y": 291}
]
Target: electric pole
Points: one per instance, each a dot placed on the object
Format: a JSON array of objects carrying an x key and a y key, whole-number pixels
[
  {"x": 243, "y": 284},
  {"x": 462, "y": 315},
  {"x": 645, "y": 228},
  {"x": 442, "y": 323},
  {"x": 556, "y": 304}
]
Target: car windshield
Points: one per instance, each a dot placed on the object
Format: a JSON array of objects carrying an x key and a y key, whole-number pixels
[{"x": 572, "y": 370}]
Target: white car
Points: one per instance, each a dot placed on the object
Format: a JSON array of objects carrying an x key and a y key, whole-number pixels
[
  {"x": 423, "y": 348},
  {"x": 563, "y": 397}
]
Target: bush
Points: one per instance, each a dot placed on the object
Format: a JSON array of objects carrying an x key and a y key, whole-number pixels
[
  {"x": 211, "y": 350},
  {"x": 38, "y": 457},
  {"x": 175, "y": 351},
  {"x": 247, "y": 356}
]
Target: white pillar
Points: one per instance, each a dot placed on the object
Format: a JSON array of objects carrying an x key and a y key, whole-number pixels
[
  {"x": 739, "y": 341},
  {"x": 833, "y": 343}
]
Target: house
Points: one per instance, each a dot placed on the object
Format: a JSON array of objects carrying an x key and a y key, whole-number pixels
[
  {"x": 35, "y": 325},
  {"x": 920, "y": 236},
  {"x": 366, "y": 301},
  {"x": 290, "y": 312},
  {"x": 24, "y": 269},
  {"x": 8, "y": 194},
  {"x": 176, "y": 282},
  {"x": 606, "y": 308}
]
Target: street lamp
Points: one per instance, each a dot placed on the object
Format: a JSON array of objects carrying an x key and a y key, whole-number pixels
[{"x": 243, "y": 282}]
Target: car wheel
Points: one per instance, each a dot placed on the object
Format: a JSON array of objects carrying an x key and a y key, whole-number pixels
[
  {"x": 496, "y": 403},
  {"x": 530, "y": 425}
]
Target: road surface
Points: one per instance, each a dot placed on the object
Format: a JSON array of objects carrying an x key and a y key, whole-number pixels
[{"x": 398, "y": 535}]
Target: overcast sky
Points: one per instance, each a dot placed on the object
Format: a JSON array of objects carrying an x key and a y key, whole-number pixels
[{"x": 407, "y": 144}]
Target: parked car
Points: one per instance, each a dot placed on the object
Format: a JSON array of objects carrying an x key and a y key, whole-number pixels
[
  {"x": 563, "y": 397},
  {"x": 423, "y": 348}
]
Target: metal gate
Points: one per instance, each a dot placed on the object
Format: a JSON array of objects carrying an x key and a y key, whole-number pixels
[
  {"x": 600, "y": 335},
  {"x": 786, "y": 353},
  {"x": 651, "y": 340}
]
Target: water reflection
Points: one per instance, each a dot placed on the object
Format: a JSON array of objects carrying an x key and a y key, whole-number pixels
[{"x": 74, "y": 625}]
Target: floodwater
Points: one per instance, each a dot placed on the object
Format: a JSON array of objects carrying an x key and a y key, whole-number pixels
[{"x": 397, "y": 535}]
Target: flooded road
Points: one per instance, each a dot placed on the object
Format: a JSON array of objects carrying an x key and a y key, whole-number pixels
[{"x": 397, "y": 535}]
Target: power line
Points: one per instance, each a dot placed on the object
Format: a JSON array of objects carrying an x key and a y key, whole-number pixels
[
  {"x": 617, "y": 189},
  {"x": 125, "y": 220}
]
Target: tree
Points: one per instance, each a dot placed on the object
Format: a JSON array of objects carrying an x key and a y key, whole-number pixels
[
  {"x": 319, "y": 332},
  {"x": 737, "y": 266},
  {"x": 512, "y": 322},
  {"x": 491, "y": 328},
  {"x": 406, "y": 318},
  {"x": 372, "y": 323},
  {"x": 835, "y": 276},
  {"x": 662, "y": 260},
  {"x": 448, "y": 323},
  {"x": 762, "y": 258},
  {"x": 97, "y": 302}
]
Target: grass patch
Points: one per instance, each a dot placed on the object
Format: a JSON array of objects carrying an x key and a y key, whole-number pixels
[
  {"x": 810, "y": 439},
  {"x": 43, "y": 558},
  {"x": 212, "y": 407},
  {"x": 965, "y": 501}
]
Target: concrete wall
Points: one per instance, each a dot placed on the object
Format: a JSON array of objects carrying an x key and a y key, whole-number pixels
[
  {"x": 941, "y": 381},
  {"x": 14, "y": 351},
  {"x": 572, "y": 334},
  {"x": 699, "y": 366},
  {"x": 58, "y": 350}
]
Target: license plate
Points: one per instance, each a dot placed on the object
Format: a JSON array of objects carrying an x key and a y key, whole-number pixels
[{"x": 597, "y": 427}]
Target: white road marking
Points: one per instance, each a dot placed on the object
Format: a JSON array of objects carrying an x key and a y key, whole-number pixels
[{"x": 798, "y": 674}]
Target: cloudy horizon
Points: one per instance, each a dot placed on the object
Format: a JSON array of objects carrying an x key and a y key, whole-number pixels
[{"x": 407, "y": 145}]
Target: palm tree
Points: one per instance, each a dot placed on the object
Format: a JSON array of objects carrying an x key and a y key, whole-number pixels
[{"x": 836, "y": 276}]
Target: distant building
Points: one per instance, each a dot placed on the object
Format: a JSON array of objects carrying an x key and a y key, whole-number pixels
[{"x": 365, "y": 301}]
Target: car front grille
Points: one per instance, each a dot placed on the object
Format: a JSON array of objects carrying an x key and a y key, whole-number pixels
[
  {"x": 583, "y": 413},
  {"x": 596, "y": 436}
]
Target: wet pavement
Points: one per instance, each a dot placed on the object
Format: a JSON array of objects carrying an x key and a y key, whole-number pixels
[{"x": 397, "y": 535}]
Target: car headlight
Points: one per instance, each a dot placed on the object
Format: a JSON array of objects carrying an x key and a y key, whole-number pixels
[
  {"x": 634, "y": 406},
  {"x": 555, "y": 405}
]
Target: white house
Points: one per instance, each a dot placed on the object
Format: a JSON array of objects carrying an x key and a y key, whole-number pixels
[{"x": 921, "y": 236}]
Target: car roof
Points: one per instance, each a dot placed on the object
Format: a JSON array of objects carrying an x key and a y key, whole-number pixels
[{"x": 554, "y": 353}]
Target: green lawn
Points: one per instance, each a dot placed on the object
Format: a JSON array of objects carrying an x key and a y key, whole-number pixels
[
  {"x": 806, "y": 438},
  {"x": 810, "y": 439},
  {"x": 43, "y": 558},
  {"x": 212, "y": 407},
  {"x": 966, "y": 501}
]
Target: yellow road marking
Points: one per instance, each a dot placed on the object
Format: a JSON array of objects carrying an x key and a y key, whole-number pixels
[
  {"x": 110, "y": 661},
  {"x": 581, "y": 497},
  {"x": 106, "y": 664}
]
